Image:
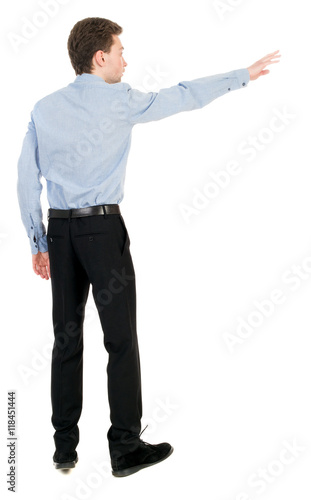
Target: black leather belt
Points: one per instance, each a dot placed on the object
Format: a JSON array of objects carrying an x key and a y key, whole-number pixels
[{"x": 84, "y": 212}]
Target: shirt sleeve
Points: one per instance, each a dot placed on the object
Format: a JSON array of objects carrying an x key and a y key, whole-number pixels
[
  {"x": 185, "y": 96},
  {"x": 29, "y": 189}
]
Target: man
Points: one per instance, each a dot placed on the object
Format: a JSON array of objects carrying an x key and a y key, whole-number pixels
[{"x": 79, "y": 139}]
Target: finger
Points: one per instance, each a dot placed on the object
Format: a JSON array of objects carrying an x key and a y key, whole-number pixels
[
  {"x": 46, "y": 273},
  {"x": 42, "y": 271},
  {"x": 274, "y": 57},
  {"x": 35, "y": 269},
  {"x": 271, "y": 53},
  {"x": 48, "y": 267},
  {"x": 270, "y": 57},
  {"x": 268, "y": 62}
]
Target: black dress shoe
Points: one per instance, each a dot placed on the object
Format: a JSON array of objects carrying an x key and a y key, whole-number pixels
[
  {"x": 65, "y": 460},
  {"x": 144, "y": 455}
]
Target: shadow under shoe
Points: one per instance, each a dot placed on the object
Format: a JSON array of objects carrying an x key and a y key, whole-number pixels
[
  {"x": 144, "y": 455},
  {"x": 63, "y": 460}
]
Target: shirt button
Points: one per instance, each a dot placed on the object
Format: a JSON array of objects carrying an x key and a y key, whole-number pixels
[
  {"x": 243, "y": 83},
  {"x": 31, "y": 227},
  {"x": 228, "y": 89},
  {"x": 36, "y": 246},
  {"x": 51, "y": 239}
]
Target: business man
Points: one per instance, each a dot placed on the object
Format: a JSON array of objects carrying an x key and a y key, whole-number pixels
[{"x": 79, "y": 139}]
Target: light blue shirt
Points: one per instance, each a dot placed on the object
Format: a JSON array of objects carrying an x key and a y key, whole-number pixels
[{"x": 79, "y": 139}]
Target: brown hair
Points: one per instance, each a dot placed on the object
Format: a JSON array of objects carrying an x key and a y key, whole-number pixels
[{"x": 87, "y": 37}]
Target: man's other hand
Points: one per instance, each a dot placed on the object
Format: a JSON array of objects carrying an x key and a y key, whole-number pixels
[
  {"x": 41, "y": 264},
  {"x": 257, "y": 69}
]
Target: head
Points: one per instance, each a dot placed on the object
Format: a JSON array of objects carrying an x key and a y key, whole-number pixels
[{"x": 95, "y": 47}]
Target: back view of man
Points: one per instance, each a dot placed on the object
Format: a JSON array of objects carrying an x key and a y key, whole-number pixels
[{"x": 79, "y": 139}]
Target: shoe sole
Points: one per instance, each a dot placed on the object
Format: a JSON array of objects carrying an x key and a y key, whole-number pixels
[
  {"x": 136, "y": 468},
  {"x": 65, "y": 465}
]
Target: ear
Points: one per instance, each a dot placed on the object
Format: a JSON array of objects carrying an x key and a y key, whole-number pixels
[{"x": 99, "y": 57}]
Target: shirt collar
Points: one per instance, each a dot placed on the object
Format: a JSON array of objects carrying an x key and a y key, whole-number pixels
[
  {"x": 97, "y": 80},
  {"x": 89, "y": 77}
]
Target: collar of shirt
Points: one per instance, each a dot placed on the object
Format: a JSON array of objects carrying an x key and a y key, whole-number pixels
[{"x": 90, "y": 78}]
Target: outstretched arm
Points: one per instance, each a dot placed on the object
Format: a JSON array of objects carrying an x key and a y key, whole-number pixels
[
  {"x": 257, "y": 69},
  {"x": 189, "y": 95},
  {"x": 186, "y": 96}
]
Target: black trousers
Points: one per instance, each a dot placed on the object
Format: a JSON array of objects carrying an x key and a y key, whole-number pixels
[{"x": 94, "y": 250}]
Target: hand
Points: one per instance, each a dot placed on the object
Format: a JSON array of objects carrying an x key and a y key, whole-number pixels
[
  {"x": 257, "y": 69},
  {"x": 41, "y": 264}
]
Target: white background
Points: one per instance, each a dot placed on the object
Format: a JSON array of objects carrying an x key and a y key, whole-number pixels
[{"x": 228, "y": 413}]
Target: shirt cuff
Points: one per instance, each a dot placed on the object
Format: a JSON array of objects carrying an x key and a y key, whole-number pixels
[
  {"x": 39, "y": 244},
  {"x": 243, "y": 76}
]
